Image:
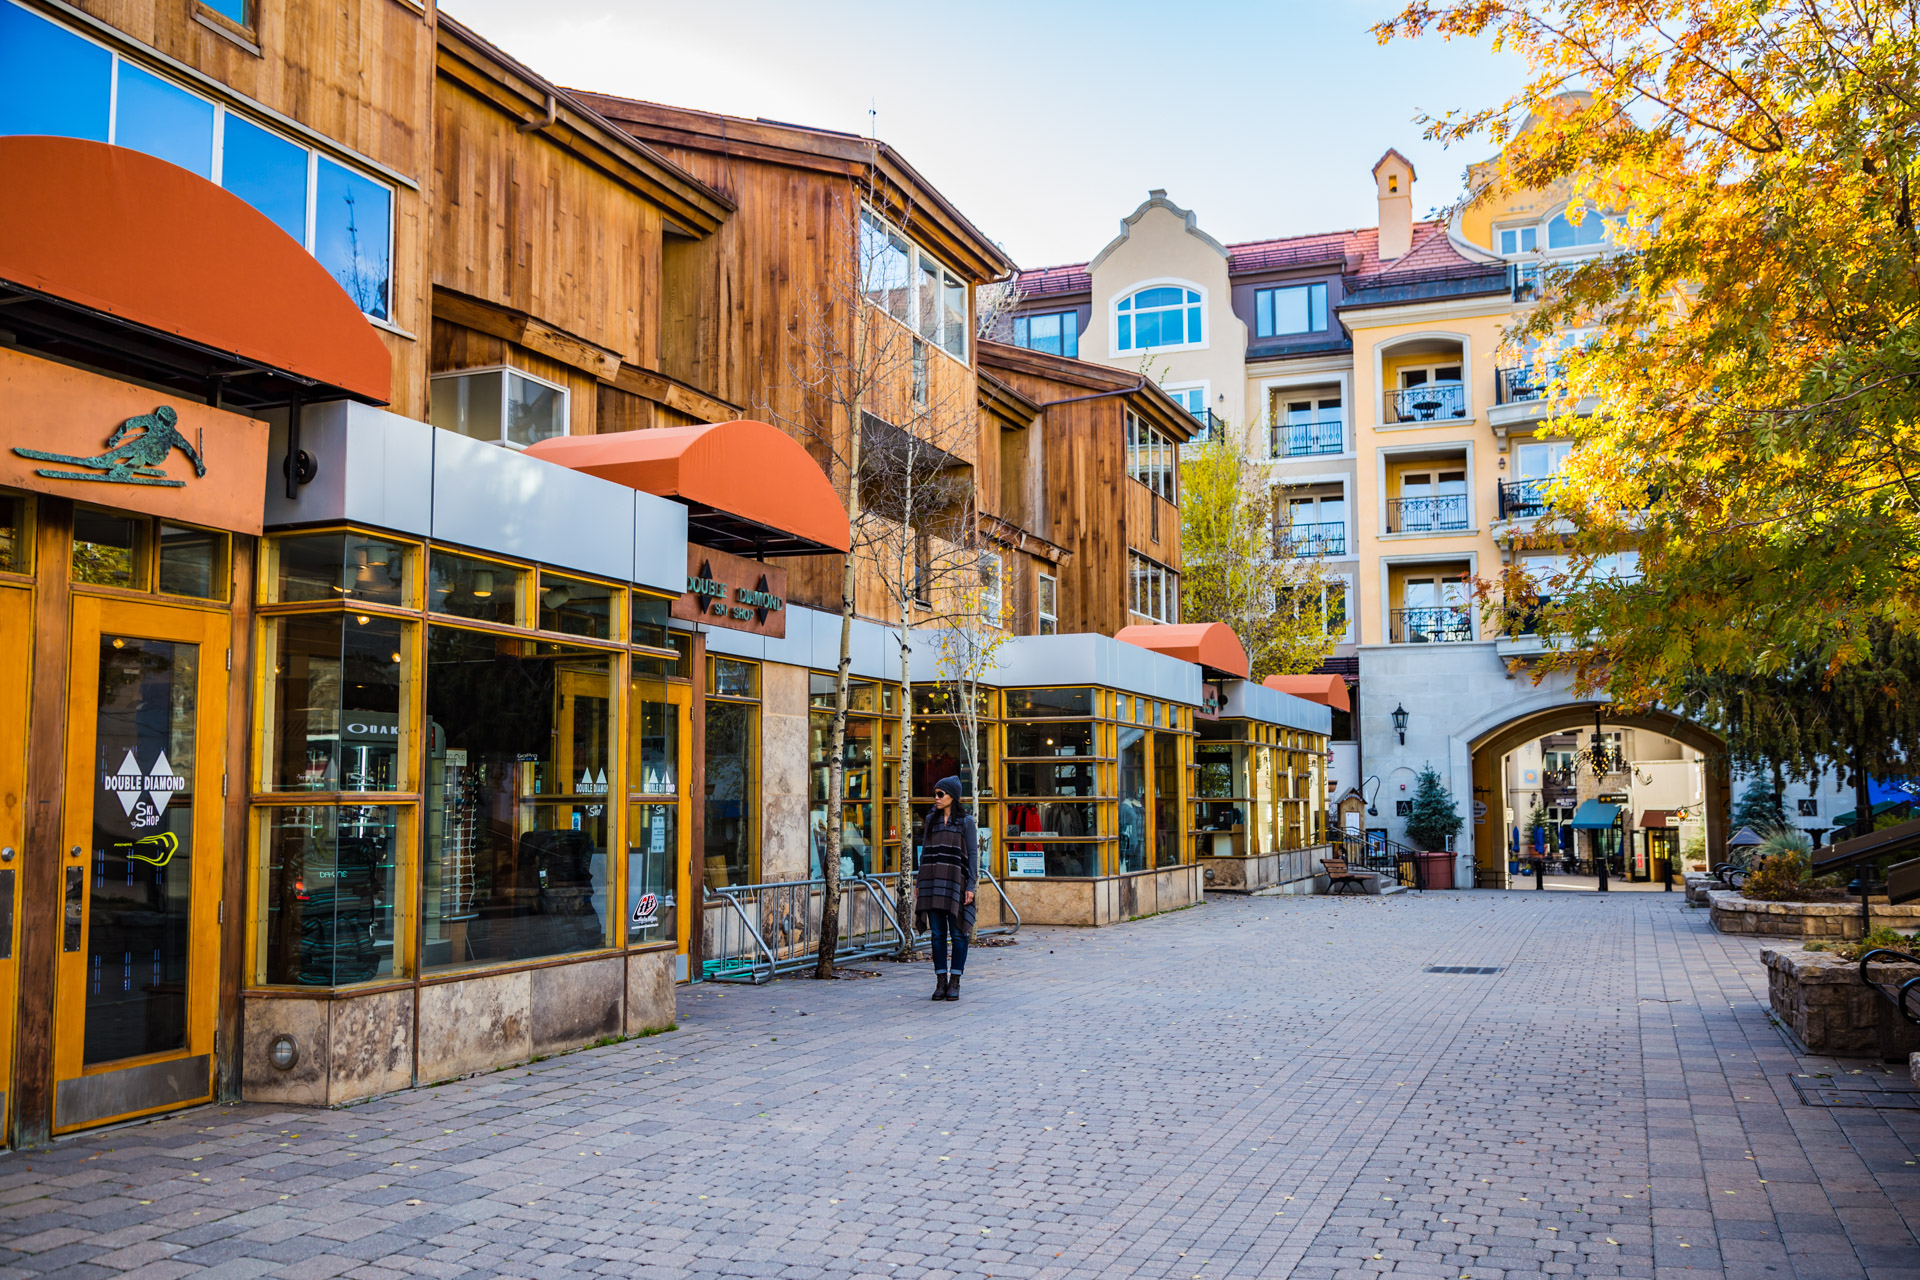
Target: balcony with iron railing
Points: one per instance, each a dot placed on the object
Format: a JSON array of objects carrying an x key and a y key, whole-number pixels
[
  {"x": 1209, "y": 427},
  {"x": 1434, "y": 513},
  {"x": 1526, "y": 383},
  {"x": 1526, "y": 498},
  {"x": 1309, "y": 438},
  {"x": 1323, "y": 538},
  {"x": 1441, "y": 624},
  {"x": 1429, "y": 402}
]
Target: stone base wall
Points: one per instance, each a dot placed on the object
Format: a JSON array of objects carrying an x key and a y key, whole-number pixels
[
  {"x": 1252, "y": 872},
  {"x": 1732, "y": 913},
  {"x": 1105, "y": 900},
  {"x": 1823, "y": 1002},
  {"x": 360, "y": 1045}
]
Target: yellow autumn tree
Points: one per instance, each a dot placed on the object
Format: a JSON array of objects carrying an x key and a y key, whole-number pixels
[{"x": 1750, "y": 341}]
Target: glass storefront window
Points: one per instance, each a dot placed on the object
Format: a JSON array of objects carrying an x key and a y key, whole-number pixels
[
  {"x": 1133, "y": 800},
  {"x": 1220, "y": 779},
  {"x": 1166, "y": 800},
  {"x": 467, "y": 587},
  {"x": 329, "y": 895},
  {"x": 857, "y": 785},
  {"x": 576, "y": 607},
  {"x": 650, "y": 621},
  {"x": 732, "y": 729},
  {"x": 334, "y": 699},
  {"x": 1038, "y": 703},
  {"x": 193, "y": 562},
  {"x": 652, "y": 841},
  {"x": 1042, "y": 780},
  {"x": 656, "y": 732},
  {"x": 731, "y": 678},
  {"x": 516, "y": 822},
  {"x": 945, "y": 700},
  {"x": 940, "y": 751},
  {"x": 109, "y": 550},
  {"x": 1050, "y": 739},
  {"x": 336, "y": 566},
  {"x": 15, "y": 533}
]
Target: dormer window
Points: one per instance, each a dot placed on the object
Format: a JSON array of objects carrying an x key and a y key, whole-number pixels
[
  {"x": 1295, "y": 309},
  {"x": 1165, "y": 315}
]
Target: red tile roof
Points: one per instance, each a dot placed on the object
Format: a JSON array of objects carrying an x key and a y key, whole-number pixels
[{"x": 1359, "y": 248}]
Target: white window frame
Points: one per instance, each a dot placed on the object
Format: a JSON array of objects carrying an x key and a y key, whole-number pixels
[
  {"x": 1113, "y": 318},
  {"x": 1048, "y": 621},
  {"x": 566, "y": 400},
  {"x": 217, "y": 164},
  {"x": 1179, "y": 390},
  {"x": 1161, "y": 457},
  {"x": 993, "y": 595},
  {"x": 1168, "y": 588},
  {"x": 918, "y": 259}
]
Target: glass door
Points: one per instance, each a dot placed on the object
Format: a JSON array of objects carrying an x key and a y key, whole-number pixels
[
  {"x": 16, "y": 637},
  {"x": 658, "y": 841},
  {"x": 139, "y": 947}
]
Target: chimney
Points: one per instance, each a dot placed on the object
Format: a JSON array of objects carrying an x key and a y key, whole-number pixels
[{"x": 1393, "y": 176}]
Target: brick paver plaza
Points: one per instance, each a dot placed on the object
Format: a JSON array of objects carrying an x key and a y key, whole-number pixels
[{"x": 1265, "y": 1087}]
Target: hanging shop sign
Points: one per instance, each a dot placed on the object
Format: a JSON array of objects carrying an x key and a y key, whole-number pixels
[
  {"x": 98, "y": 440},
  {"x": 731, "y": 591}
]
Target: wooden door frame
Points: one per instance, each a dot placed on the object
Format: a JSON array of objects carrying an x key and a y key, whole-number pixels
[{"x": 93, "y": 616}]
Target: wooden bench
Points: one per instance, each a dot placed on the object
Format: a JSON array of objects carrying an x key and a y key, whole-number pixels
[{"x": 1339, "y": 878}]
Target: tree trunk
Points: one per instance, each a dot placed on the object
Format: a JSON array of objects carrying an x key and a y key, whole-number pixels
[
  {"x": 903, "y": 788},
  {"x": 837, "y": 763}
]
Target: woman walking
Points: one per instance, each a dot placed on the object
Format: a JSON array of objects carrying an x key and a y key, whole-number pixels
[{"x": 943, "y": 893}]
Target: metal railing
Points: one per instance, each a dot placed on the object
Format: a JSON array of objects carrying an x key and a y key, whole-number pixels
[
  {"x": 1326, "y": 538},
  {"x": 1526, "y": 382},
  {"x": 1309, "y": 438},
  {"x": 764, "y": 930},
  {"x": 1374, "y": 852},
  {"x": 1430, "y": 402},
  {"x": 1437, "y": 513},
  {"x": 1525, "y": 281},
  {"x": 1526, "y": 497},
  {"x": 1447, "y": 624}
]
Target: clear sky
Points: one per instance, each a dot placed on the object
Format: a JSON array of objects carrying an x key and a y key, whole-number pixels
[{"x": 1047, "y": 122}]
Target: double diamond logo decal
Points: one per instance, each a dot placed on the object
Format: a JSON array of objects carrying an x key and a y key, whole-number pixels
[{"x": 130, "y": 784}]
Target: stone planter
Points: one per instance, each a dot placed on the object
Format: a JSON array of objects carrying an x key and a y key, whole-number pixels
[
  {"x": 1835, "y": 921},
  {"x": 1699, "y": 884},
  {"x": 1823, "y": 1002}
]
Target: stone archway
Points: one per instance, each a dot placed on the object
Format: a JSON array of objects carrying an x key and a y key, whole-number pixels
[{"x": 1491, "y": 743}]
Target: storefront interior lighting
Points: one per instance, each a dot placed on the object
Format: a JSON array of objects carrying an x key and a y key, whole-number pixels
[
  {"x": 483, "y": 583},
  {"x": 554, "y": 597}
]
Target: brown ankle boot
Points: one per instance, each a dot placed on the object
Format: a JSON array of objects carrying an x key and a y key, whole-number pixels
[
  {"x": 940, "y": 989},
  {"x": 952, "y": 986}
]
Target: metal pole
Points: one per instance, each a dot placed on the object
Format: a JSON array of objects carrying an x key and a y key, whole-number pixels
[{"x": 1600, "y": 858}]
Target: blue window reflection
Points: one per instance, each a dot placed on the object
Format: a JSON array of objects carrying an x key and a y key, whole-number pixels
[
  {"x": 351, "y": 217},
  {"x": 51, "y": 81},
  {"x": 232, "y": 10},
  {"x": 1162, "y": 316},
  {"x": 268, "y": 172},
  {"x": 164, "y": 120}
]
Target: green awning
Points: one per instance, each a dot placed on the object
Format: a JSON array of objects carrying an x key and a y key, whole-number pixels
[
  {"x": 1842, "y": 820},
  {"x": 1592, "y": 815}
]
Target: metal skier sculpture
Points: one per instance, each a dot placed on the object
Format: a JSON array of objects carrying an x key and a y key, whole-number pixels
[{"x": 137, "y": 461}]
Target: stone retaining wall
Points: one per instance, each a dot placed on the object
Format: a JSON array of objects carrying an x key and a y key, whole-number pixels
[
  {"x": 1823, "y": 1002},
  {"x": 1733, "y": 913}
]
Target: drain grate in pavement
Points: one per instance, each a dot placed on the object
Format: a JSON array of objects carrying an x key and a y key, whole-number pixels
[
  {"x": 1827, "y": 1093},
  {"x": 1461, "y": 968}
]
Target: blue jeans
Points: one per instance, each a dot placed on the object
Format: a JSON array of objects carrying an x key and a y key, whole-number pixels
[{"x": 944, "y": 926}]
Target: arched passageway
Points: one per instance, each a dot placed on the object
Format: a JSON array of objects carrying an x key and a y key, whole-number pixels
[{"x": 1491, "y": 833}]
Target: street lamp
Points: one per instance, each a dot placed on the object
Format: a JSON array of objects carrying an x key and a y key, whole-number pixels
[{"x": 1400, "y": 722}]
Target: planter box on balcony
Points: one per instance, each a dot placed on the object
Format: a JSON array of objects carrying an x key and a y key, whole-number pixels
[
  {"x": 1734, "y": 913},
  {"x": 1822, "y": 1001}
]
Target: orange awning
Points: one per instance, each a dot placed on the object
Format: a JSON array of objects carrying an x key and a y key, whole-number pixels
[
  {"x": 118, "y": 232},
  {"x": 749, "y": 488},
  {"x": 1327, "y": 690},
  {"x": 1211, "y": 645}
]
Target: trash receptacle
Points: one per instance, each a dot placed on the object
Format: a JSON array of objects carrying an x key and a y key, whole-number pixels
[{"x": 1436, "y": 870}]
